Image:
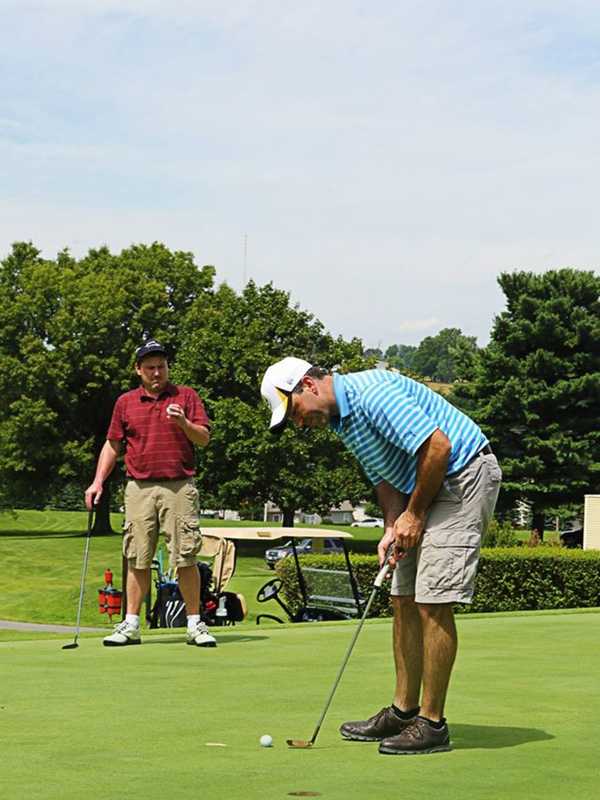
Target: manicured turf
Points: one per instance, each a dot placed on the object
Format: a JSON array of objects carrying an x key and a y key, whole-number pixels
[
  {"x": 101, "y": 723},
  {"x": 41, "y": 556},
  {"x": 135, "y": 723}
]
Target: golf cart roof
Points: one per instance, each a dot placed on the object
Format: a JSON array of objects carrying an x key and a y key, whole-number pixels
[{"x": 268, "y": 534}]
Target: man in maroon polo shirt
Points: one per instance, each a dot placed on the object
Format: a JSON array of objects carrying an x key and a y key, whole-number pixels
[{"x": 159, "y": 424}]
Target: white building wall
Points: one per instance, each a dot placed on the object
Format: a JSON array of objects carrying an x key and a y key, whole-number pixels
[{"x": 591, "y": 522}]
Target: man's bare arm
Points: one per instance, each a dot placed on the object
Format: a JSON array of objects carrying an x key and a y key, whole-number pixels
[
  {"x": 197, "y": 434},
  {"x": 432, "y": 464},
  {"x": 106, "y": 463}
]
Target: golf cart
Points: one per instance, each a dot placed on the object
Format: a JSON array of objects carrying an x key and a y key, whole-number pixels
[
  {"x": 327, "y": 594},
  {"x": 302, "y": 546}
]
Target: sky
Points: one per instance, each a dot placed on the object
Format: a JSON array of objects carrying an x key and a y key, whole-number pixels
[{"x": 381, "y": 161}]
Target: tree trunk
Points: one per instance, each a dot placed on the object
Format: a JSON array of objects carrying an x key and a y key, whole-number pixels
[
  {"x": 288, "y": 517},
  {"x": 102, "y": 526},
  {"x": 538, "y": 523}
]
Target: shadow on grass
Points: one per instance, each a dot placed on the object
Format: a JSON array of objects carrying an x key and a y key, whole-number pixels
[
  {"x": 220, "y": 640},
  {"x": 493, "y": 737}
]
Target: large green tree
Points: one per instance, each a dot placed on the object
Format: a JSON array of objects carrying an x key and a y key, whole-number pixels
[
  {"x": 68, "y": 331},
  {"x": 536, "y": 388},
  {"x": 400, "y": 356},
  {"x": 441, "y": 357},
  {"x": 228, "y": 342}
]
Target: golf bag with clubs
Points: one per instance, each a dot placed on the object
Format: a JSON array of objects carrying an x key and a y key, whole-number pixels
[{"x": 217, "y": 607}]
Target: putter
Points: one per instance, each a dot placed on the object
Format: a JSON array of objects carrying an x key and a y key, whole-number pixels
[
  {"x": 74, "y": 644},
  {"x": 381, "y": 576}
]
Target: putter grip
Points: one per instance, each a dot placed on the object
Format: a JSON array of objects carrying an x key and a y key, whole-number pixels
[{"x": 382, "y": 574}]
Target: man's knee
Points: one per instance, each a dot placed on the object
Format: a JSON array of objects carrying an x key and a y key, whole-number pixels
[
  {"x": 190, "y": 572},
  {"x": 403, "y": 603},
  {"x": 436, "y": 611}
]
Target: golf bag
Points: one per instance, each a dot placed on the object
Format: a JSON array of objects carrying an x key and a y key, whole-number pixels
[
  {"x": 168, "y": 610},
  {"x": 217, "y": 608}
]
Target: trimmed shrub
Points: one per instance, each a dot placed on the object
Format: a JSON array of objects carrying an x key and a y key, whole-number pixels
[
  {"x": 499, "y": 535},
  {"x": 516, "y": 579},
  {"x": 509, "y": 579}
]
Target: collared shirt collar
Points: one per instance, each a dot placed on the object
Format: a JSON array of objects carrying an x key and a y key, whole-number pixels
[
  {"x": 341, "y": 401},
  {"x": 170, "y": 389}
]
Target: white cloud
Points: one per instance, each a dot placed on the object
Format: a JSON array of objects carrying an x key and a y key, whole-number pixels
[{"x": 387, "y": 161}]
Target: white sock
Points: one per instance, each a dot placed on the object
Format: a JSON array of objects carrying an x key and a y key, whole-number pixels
[
  {"x": 192, "y": 621},
  {"x": 133, "y": 620}
]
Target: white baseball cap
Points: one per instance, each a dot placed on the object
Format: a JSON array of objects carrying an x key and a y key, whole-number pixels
[{"x": 278, "y": 383}]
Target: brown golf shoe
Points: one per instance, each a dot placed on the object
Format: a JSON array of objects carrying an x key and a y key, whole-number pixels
[
  {"x": 385, "y": 723},
  {"x": 418, "y": 737}
]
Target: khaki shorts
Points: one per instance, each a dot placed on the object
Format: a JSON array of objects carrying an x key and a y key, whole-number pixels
[
  {"x": 442, "y": 568},
  {"x": 168, "y": 506}
]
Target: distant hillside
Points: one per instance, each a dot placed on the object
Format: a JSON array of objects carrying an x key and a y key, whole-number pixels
[{"x": 442, "y": 388}]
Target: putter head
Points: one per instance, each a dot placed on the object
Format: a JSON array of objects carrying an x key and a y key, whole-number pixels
[
  {"x": 299, "y": 744},
  {"x": 71, "y": 646}
]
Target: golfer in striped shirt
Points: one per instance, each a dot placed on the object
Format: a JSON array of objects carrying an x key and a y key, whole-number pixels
[{"x": 437, "y": 482}]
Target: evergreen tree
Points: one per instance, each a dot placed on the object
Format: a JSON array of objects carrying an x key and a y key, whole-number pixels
[{"x": 536, "y": 388}]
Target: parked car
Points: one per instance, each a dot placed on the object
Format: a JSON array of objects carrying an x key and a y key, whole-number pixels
[
  {"x": 368, "y": 522},
  {"x": 572, "y": 538},
  {"x": 275, "y": 554}
]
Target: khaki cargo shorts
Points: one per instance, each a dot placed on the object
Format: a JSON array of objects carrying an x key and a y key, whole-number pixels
[
  {"x": 170, "y": 506},
  {"x": 442, "y": 568}
]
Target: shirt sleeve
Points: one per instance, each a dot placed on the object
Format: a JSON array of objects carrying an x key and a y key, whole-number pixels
[
  {"x": 397, "y": 416},
  {"x": 195, "y": 411},
  {"x": 116, "y": 429}
]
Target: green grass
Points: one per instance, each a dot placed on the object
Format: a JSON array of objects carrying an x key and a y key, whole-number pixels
[
  {"x": 134, "y": 723},
  {"x": 41, "y": 557}
]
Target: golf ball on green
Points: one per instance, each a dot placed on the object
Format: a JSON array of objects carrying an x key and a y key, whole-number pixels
[{"x": 266, "y": 740}]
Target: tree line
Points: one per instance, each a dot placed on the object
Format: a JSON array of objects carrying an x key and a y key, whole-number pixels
[
  {"x": 444, "y": 358},
  {"x": 68, "y": 331},
  {"x": 69, "y": 328}
]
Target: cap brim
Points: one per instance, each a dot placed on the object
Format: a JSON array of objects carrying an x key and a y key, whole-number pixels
[{"x": 279, "y": 417}]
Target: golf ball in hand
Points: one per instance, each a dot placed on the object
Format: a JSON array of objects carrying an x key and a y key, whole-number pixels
[{"x": 266, "y": 740}]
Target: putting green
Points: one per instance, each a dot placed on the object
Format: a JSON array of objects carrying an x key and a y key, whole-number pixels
[{"x": 168, "y": 721}]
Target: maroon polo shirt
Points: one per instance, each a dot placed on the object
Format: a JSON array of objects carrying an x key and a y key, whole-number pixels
[{"x": 155, "y": 447}]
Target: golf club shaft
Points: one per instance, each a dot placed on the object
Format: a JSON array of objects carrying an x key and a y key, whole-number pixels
[
  {"x": 84, "y": 573},
  {"x": 381, "y": 575}
]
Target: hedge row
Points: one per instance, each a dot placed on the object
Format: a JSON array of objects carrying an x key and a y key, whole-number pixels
[{"x": 509, "y": 579}]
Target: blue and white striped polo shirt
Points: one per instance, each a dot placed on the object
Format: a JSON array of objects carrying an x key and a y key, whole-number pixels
[{"x": 385, "y": 417}]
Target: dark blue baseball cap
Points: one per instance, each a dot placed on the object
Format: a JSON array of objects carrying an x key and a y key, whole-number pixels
[{"x": 149, "y": 348}]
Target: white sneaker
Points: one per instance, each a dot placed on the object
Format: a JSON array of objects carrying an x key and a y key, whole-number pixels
[
  {"x": 123, "y": 634},
  {"x": 201, "y": 637}
]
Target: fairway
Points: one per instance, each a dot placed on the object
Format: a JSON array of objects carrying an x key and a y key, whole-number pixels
[
  {"x": 135, "y": 723},
  {"x": 51, "y": 545}
]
